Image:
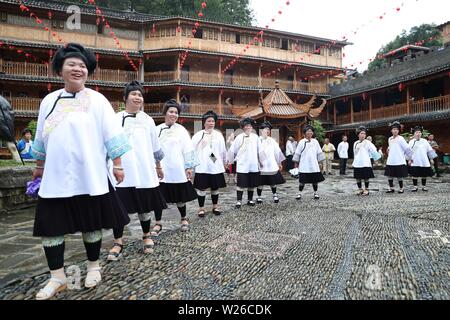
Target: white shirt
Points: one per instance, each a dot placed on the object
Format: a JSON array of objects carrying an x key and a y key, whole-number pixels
[
  {"x": 420, "y": 150},
  {"x": 179, "y": 152},
  {"x": 245, "y": 151},
  {"x": 308, "y": 154},
  {"x": 271, "y": 156},
  {"x": 399, "y": 151},
  {"x": 343, "y": 150},
  {"x": 74, "y": 136},
  {"x": 206, "y": 144},
  {"x": 328, "y": 150},
  {"x": 289, "y": 148},
  {"x": 362, "y": 151},
  {"x": 139, "y": 164}
]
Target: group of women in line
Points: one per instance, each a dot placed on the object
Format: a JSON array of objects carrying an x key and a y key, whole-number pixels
[{"x": 99, "y": 167}]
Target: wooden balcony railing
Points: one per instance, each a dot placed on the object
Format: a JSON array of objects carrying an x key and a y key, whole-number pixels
[
  {"x": 422, "y": 106},
  {"x": 159, "y": 76},
  {"x": 25, "y": 104},
  {"x": 114, "y": 75},
  {"x": 42, "y": 70},
  {"x": 236, "y": 80},
  {"x": 431, "y": 105},
  {"x": 191, "y": 109},
  {"x": 24, "y": 68}
]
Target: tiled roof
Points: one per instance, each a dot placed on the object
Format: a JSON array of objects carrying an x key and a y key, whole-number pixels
[
  {"x": 278, "y": 105},
  {"x": 424, "y": 64}
]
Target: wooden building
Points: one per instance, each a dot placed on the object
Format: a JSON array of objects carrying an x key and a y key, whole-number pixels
[
  {"x": 156, "y": 44},
  {"x": 414, "y": 89}
]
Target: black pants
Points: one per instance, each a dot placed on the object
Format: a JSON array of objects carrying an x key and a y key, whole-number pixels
[
  {"x": 436, "y": 166},
  {"x": 342, "y": 165},
  {"x": 289, "y": 163}
]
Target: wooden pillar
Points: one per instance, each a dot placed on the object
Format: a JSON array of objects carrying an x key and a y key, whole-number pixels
[
  {"x": 295, "y": 79},
  {"x": 260, "y": 75},
  {"x": 141, "y": 72},
  {"x": 334, "y": 113},
  {"x": 219, "y": 75},
  {"x": 370, "y": 107},
  {"x": 178, "y": 94},
  {"x": 408, "y": 101},
  {"x": 178, "y": 72},
  {"x": 351, "y": 111},
  {"x": 220, "y": 102}
]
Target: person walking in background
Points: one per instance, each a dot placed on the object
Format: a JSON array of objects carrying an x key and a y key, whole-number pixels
[
  {"x": 435, "y": 146},
  {"x": 343, "y": 155},
  {"x": 328, "y": 149},
  {"x": 290, "y": 149}
]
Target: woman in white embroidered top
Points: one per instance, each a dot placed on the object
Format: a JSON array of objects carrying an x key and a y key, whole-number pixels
[
  {"x": 211, "y": 151},
  {"x": 271, "y": 159},
  {"x": 140, "y": 192},
  {"x": 308, "y": 154},
  {"x": 423, "y": 153},
  {"x": 245, "y": 150},
  {"x": 363, "y": 151},
  {"x": 76, "y": 133},
  {"x": 178, "y": 164},
  {"x": 398, "y": 152}
]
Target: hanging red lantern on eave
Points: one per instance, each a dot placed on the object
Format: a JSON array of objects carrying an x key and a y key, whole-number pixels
[{"x": 401, "y": 86}]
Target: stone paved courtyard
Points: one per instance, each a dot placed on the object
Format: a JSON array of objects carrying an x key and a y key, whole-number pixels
[{"x": 340, "y": 247}]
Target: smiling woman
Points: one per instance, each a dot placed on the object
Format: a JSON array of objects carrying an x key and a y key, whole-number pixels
[{"x": 76, "y": 132}]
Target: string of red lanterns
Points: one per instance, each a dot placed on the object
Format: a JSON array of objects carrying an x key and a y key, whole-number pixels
[
  {"x": 258, "y": 37},
  {"x": 194, "y": 31},
  {"x": 331, "y": 43},
  {"x": 101, "y": 18},
  {"x": 383, "y": 56},
  {"x": 24, "y": 9}
]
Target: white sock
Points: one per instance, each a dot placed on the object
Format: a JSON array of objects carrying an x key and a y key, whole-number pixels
[
  {"x": 59, "y": 274},
  {"x": 92, "y": 265}
]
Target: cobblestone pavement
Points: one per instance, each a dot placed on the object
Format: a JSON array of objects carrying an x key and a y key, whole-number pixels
[{"x": 385, "y": 246}]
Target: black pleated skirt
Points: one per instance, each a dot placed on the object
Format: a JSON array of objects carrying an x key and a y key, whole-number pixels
[
  {"x": 421, "y": 172},
  {"x": 363, "y": 173},
  {"x": 178, "y": 192},
  {"x": 396, "y": 171},
  {"x": 84, "y": 213},
  {"x": 314, "y": 177},
  {"x": 142, "y": 200},
  {"x": 248, "y": 180},
  {"x": 271, "y": 180},
  {"x": 204, "y": 181}
]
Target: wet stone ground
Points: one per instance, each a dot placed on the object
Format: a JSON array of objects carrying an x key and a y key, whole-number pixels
[{"x": 385, "y": 246}]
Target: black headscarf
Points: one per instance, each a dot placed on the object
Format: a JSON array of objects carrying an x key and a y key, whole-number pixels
[
  {"x": 74, "y": 50},
  {"x": 172, "y": 103},
  {"x": 361, "y": 129},
  {"x": 308, "y": 127},
  {"x": 266, "y": 124},
  {"x": 209, "y": 114},
  {"x": 246, "y": 121},
  {"x": 133, "y": 86}
]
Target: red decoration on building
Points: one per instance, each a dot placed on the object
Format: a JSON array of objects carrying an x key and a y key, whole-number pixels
[
  {"x": 49, "y": 87},
  {"x": 401, "y": 86}
]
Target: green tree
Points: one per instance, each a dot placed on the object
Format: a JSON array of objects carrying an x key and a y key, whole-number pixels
[
  {"x": 414, "y": 36},
  {"x": 228, "y": 11},
  {"x": 319, "y": 130},
  {"x": 32, "y": 125}
]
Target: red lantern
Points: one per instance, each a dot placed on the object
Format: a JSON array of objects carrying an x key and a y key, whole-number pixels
[
  {"x": 49, "y": 87},
  {"x": 401, "y": 86}
]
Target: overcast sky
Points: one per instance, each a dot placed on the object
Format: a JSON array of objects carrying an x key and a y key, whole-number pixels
[{"x": 333, "y": 19}]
